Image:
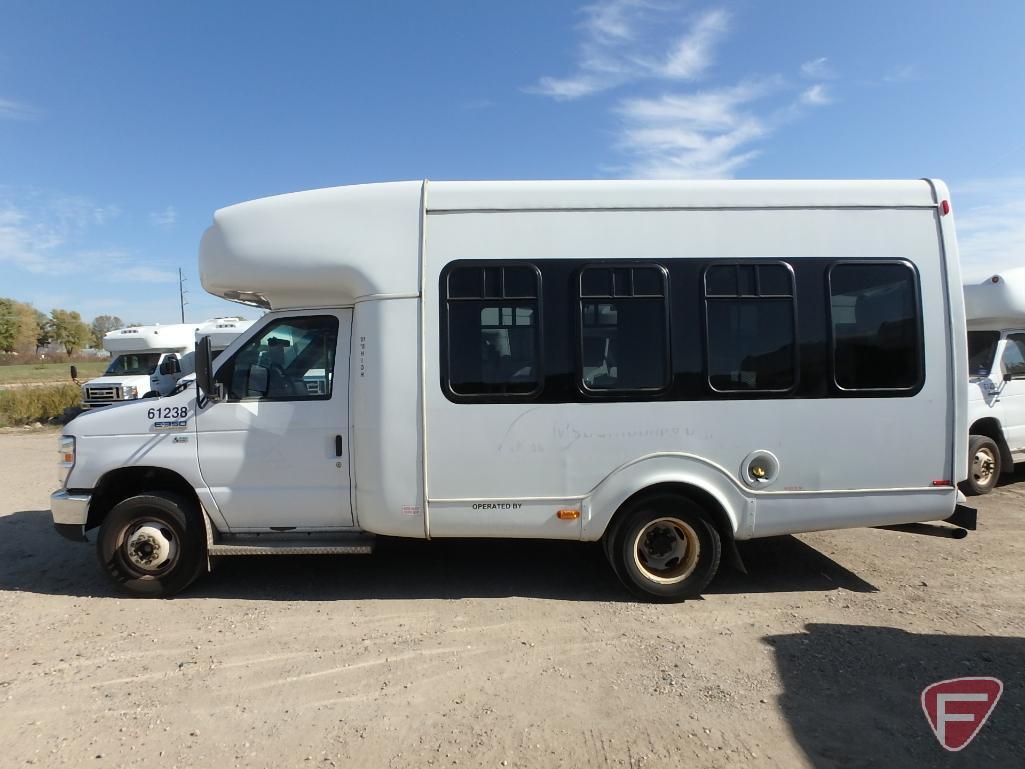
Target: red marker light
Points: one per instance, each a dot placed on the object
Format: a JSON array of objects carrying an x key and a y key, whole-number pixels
[
  {"x": 945, "y": 207},
  {"x": 942, "y": 483}
]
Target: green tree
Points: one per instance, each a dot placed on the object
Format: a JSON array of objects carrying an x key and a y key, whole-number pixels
[
  {"x": 18, "y": 326},
  {"x": 69, "y": 330},
  {"x": 8, "y": 324},
  {"x": 101, "y": 325},
  {"x": 45, "y": 326}
]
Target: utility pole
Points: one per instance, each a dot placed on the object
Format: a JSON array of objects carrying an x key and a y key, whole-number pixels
[{"x": 181, "y": 293}]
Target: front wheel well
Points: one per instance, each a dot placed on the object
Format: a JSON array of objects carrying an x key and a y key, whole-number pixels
[{"x": 118, "y": 485}]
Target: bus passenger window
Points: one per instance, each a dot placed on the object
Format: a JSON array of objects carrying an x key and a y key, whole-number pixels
[
  {"x": 624, "y": 337},
  {"x": 876, "y": 326},
  {"x": 493, "y": 330},
  {"x": 750, "y": 322}
]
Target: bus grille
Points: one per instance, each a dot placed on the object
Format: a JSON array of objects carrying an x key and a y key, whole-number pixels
[{"x": 103, "y": 393}]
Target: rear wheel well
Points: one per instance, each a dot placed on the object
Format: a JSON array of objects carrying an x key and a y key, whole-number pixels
[
  {"x": 118, "y": 485},
  {"x": 703, "y": 499},
  {"x": 990, "y": 427}
]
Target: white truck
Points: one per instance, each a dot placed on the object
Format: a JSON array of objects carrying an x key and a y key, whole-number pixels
[
  {"x": 146, "y": 361},
  {"x": 665, "y": 367},
  {"x": 995, "y": 312}
]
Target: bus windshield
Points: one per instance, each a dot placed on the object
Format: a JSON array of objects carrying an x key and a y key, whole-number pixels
[
  {"x": 134, "y": 363},
  {"x": 982, "y": 345}
]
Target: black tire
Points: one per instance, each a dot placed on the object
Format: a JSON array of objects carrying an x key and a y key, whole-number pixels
[
  {"x": 983, "y": 466},
  {"x": 666, "y": 527},
  {"x": 150, "y": 526}
]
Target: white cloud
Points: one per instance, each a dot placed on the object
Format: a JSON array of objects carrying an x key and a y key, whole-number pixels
[
  {"x": 51, "y": 236},
  {"x": 699, "y": 135},
  {"x": 616, "y": 37},
  {"x": 816, "y": 96},
  {"x": 990, "y": 220},
  {"x": 707, "y": 132},
  {"x": 818, "y": 69},
  {"x": 691, "y": 55},
  {"x": 16, "y": 111},
  {"x": 164, "y": 219}
]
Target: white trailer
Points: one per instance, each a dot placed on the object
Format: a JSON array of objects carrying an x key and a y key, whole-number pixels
[
  {"x": 995, "y": 312},
  {"x": 667, "y": 367},
  {"x": 146, "y": 361}
]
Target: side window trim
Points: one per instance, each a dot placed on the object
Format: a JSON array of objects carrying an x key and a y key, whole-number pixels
[
  {"x": 581, "y": 298},
  {"x": 919, "y": 328},
  {"x": 229, "y": 364},
  {"x": 503, "y": 301},
  {"x": 755, "y": 297}
]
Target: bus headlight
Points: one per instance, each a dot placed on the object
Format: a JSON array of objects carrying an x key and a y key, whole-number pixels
[
  {"x": 66, "y": 449},
  {"x": 131, "y": 392}
]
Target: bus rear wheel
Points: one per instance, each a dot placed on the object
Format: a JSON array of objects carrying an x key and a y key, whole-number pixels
[
  {"x": 665, "y": 549},
  {"x": 983, "y": 465}
]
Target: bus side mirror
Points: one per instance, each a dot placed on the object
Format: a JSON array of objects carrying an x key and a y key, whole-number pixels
[
  {"x": 74, "y": 373},
  {"x": 204, "y": 369}
]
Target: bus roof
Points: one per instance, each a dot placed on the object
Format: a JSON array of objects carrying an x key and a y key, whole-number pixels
[{"x": 336, "y": 246}]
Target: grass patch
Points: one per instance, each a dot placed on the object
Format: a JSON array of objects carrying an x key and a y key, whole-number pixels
[
  {"x": 25, "y": 405},
  {"x": 50, "y": 372}
]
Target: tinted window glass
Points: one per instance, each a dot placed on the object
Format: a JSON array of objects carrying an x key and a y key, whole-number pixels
[
  {"x": 292, "y": 358},
  {"x": 982, "y": 345},
  {"x": 875, "y": 326},
  {"x": 1014, "y": 355},
  {"x": 749, "y": 313},
  {"x": 493, "y": 336},
  {"x": 624, "y": 345},
  {"x": 751, "y": 345},
  {"x": 624, "y": 342}
]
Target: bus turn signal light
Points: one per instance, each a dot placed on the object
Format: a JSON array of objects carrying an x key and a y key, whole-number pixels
[{"x": 568, "y": 515}]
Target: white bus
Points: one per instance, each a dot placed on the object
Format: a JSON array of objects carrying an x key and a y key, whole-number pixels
[
  {"x": 667, "y": 367},
  {"x": 996, "y": 366},
  {"x": 146, "y": 361}
]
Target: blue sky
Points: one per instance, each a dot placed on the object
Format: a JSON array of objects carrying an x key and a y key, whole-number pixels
[{"x": 124, "y": 125}]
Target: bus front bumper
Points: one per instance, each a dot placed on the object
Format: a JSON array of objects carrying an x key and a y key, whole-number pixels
[{"x": 70, "y": 513}]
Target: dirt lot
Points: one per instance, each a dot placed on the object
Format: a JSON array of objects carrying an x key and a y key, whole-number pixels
[{"x": 505, "y": 654}]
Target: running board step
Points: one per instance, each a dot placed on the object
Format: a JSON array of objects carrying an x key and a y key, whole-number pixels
[{"x": 296, "y": 544}]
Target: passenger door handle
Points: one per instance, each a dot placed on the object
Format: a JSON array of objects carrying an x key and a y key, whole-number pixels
[{"x": 339, "y": 445}]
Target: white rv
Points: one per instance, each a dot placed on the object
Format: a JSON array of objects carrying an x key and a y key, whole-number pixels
[
  {"x": 667, "y": 367},
  {"x": 995, "y": 310},
  {"x": 146, "y": 361}
]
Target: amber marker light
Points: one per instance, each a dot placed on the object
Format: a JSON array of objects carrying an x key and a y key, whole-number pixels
[{"x": 568, "y": 515}]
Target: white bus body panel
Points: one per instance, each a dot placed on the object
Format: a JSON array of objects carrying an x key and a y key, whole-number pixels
[{"x": 541, "y": 456}]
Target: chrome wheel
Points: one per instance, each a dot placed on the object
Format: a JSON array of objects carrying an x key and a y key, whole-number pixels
[
  {"x": 984, "y": 466},
  {"x": 666, "y": 550},
  {"x": 149, "y": 547}
]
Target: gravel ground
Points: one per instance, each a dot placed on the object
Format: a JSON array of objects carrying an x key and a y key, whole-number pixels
[{"x": 492, "y": 654}]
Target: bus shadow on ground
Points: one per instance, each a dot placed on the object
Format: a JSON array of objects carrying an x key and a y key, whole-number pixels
[
  {"x": 34, "y": 559},
  {"x": 852, "y": 695}
]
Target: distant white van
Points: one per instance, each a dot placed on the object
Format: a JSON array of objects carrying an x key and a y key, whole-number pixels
[
  {"x": 996, "y": 366},
  {"x": 666, "y": 367}
]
